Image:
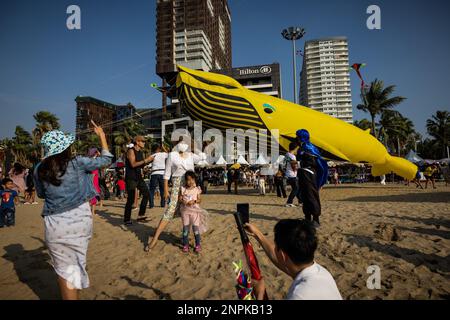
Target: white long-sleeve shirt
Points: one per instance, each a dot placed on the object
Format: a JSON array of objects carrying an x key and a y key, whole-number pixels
[{"x": 176, "y": 166}]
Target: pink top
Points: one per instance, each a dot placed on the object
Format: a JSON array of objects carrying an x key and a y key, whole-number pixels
[
  {"x": 189, "y": 194},
  {"x": 19, "y": 180}
]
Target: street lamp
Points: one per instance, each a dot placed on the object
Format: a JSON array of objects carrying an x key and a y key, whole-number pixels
[{"x": 292, "y": 34}]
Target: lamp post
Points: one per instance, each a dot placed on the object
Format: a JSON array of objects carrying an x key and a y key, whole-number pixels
[{"x": 293, "y": 34}]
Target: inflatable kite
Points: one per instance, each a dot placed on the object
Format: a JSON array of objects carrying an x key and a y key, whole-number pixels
[
  {"x": 223, "y": 103},
  {"x": 357, "y": 68}
]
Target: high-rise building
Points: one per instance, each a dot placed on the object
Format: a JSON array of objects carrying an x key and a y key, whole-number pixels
[
  {"x": 325, "y": 77},
  {"x": 262, "y": 78},
  {"x": 192, "y": 33}
]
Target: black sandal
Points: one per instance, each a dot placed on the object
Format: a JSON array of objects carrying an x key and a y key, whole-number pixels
[{"x": 142, "y": 219}]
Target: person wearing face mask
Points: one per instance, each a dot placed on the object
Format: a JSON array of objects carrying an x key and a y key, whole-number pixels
[
  {"x": 134, "y": 163},
  {"x": 178, "y": 163}
]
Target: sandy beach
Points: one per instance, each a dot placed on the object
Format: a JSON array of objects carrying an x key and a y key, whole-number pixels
[{"x": 403, "y": 230}]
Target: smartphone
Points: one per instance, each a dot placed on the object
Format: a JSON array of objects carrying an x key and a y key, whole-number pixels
[{"x": 244, "y": 211}]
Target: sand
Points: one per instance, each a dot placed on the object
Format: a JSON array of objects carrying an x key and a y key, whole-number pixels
[{"x": 403, "y": 230}]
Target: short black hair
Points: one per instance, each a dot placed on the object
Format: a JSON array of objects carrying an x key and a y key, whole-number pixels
[
  {"x": 5, "y": 181},
  {"x": 293, "y": 145},
  {"x": 155, "y": 147},
  {"x": 297, "y": 238},
  {"x": 190, "y": 174}
]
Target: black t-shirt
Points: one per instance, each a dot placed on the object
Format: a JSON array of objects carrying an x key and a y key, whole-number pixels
[{"x": 134, "y": 173}]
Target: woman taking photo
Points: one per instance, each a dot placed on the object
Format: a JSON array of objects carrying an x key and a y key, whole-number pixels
[
  {"x": 178, "y": 163},
  {"x": 66, "y": 184}
]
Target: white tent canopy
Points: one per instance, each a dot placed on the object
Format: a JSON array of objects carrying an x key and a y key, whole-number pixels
[
  {"x": 241, "y": 160},
  {"x": 261, "y": 160},
  {"x": 221, "y": 161}
]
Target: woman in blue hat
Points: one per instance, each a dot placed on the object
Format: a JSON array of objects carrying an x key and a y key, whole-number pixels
[
  {"x": 312, "y": 175},
  {"x": 66, "y": 184}
]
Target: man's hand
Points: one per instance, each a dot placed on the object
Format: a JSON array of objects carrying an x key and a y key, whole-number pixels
[{"x": 252, "y": 230}]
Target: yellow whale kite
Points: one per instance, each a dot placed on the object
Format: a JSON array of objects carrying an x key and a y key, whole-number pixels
[{"x": 223, "y": 103}]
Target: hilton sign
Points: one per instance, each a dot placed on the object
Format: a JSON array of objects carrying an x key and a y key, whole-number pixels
[{"x": 250, "y": 71}]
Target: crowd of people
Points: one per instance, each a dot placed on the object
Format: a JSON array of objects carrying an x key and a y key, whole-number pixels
[{"x": 74, "y": 186}]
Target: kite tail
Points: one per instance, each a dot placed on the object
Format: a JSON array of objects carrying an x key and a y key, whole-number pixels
[{"x": 399, "y": 166}]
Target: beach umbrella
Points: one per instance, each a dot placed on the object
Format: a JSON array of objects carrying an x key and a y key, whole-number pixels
[
  {"x": 241, "y": 160},
  {"x": 236, "y": 166}
]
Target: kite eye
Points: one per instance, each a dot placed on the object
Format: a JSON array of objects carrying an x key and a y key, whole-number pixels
[{"x": 268, "y": 108}]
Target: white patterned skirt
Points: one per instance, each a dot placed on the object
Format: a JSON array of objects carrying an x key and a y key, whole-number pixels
[{"x": 67, "y": 237}]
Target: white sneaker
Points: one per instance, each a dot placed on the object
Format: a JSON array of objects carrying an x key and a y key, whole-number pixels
[
  {"x": 290, "y": 205},
  {"x": 35, "y": 202},
  {"x": 27, "y": 202}
]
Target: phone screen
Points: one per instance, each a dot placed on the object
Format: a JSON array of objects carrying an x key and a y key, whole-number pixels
[{"x": 244, "y": 211}]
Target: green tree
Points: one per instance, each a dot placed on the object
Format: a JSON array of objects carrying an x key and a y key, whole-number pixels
[
  {"x": 395, "y": 130},
  {"x": 378, "y": 99},
  {"x": 21, "y": 145},
  {"x": 82, "y": 146},
  {"x": 363, "y": 124},
  {"x": 438, "y": 127},
  {"x": 45, "y": 121}
]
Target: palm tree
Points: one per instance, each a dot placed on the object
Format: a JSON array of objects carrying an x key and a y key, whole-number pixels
[
  {"x": 363, "y": 124},
  {"x": 439, "y": 128},
  {"x": 45, "y": 121},
  {"x": 91, "y": 141},
  {"x": 395, "y": 130},
  {"x": 377, "y": 99},
  {"x": 21, "y": 145}
]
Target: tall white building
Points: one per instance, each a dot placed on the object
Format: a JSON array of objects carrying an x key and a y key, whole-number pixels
[{"x": 325, "y": 78}]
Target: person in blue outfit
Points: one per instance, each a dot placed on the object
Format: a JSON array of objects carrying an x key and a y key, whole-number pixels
[
  {"x": 8, "y": 199},
  {"x": 312, "y": 175}
]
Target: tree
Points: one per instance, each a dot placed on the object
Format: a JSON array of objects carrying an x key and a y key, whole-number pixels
[
  {"x": 395, "y": 130},
  {"x": 438, "y": 127},
  {"x": 363, "y": 124},
  {"x": 45, "y": 121},
  {"x": 21, "y": 145},
  {"x": 377, "y": 99},
  {"x": 126, "y": 133},
  {"x": 91, "y": 141}
]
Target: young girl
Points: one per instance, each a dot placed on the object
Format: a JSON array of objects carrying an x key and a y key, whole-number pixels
[
  {"x": 65, "y": 182},
  {"x": 191, "y": 213}
]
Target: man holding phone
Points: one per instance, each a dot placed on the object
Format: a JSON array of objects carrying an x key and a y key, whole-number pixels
[{"x": 293, "y": 253}]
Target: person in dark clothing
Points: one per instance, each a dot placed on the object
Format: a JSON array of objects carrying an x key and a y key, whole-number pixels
[
  {"x": 230, "y": 174},
  {"x": 312, "y": 174},
  {"x": 279, "y": 185},
  {"x": 133, "y": 178}
]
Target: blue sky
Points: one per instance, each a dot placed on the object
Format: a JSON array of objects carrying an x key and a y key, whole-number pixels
[{"x": 44, "y": 66}]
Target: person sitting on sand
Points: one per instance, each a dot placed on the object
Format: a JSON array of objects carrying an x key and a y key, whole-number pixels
[
  {"x": 191, "y": 213},
  {"x": 293, "y": 253}
]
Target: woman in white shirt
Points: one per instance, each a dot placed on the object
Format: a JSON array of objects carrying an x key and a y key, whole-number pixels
[{"x": 178, "y": 163}]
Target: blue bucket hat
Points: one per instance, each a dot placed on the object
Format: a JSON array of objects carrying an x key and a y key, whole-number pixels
[{"x": 55, "y": 142}]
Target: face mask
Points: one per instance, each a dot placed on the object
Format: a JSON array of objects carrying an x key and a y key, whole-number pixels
[{"x": 182, "y": 147}]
